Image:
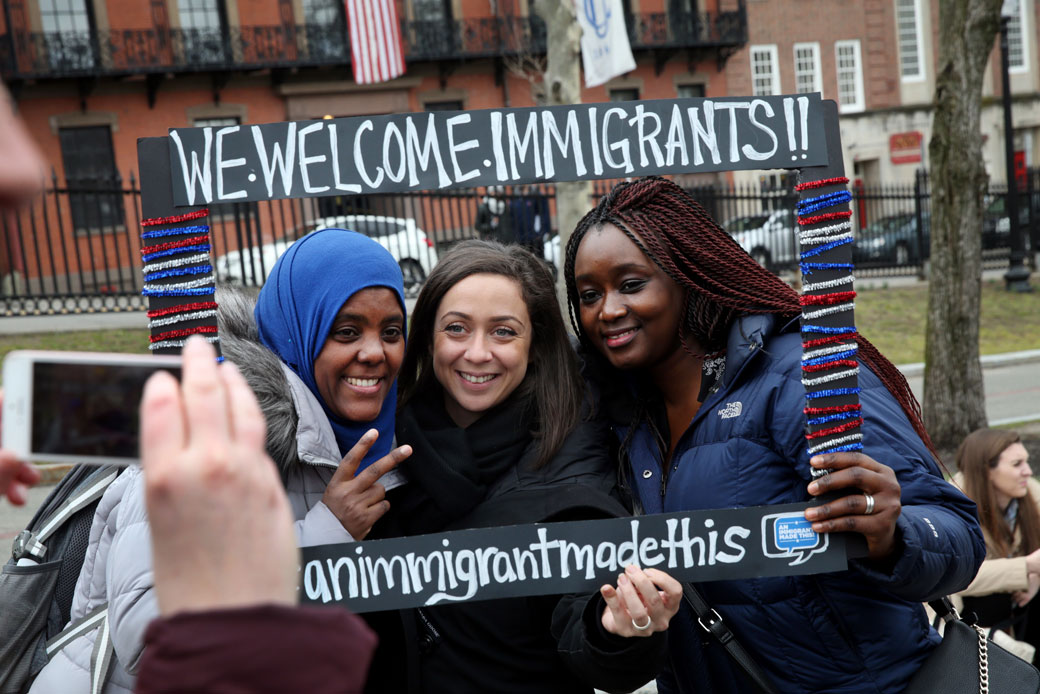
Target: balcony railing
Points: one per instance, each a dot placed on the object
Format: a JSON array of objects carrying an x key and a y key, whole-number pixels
[{"x": 34, "y": 55}]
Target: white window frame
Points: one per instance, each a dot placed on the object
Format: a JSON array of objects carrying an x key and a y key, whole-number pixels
[
  {"x": 918, "y": 43},
  {"x": 857, "y": 87},
  {"x": 817, "y": 76},
  {"x": 1020, "y": 20},
  {"x": 774, "y": 73}
]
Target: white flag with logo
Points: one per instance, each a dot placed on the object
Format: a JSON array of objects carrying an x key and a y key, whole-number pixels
[{"x": 605, "y": 52}]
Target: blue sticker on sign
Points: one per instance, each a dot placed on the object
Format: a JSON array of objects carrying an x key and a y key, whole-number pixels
[{"x": 790, "y": 536}]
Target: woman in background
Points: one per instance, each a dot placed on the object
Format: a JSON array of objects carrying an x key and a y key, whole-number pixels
[{"x": 993, "y": 470}]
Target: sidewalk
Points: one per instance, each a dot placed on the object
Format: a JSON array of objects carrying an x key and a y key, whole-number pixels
[{"x": 70, "y": 322}]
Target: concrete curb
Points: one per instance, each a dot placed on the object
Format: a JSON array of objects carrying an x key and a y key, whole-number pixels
[{"x": 989, "y": 361}]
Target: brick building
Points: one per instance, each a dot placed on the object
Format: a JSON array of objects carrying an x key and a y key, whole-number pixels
[
  {"x": 92, "y": 76},
  {"x": 877, "y": 59}
]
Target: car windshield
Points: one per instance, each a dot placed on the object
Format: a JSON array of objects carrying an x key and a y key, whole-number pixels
[
  {"x": 887, "y": 224},
  {"x": 377, "y": 228},
  {"x": 744, "y": 223}
]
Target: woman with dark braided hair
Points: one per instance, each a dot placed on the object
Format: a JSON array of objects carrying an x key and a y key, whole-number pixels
[{"x": 697, "y": 352}]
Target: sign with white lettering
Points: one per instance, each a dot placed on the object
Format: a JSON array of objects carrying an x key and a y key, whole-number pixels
[
  {"x": 450, "y": 149},
  {"x": 575, "y": 557}
]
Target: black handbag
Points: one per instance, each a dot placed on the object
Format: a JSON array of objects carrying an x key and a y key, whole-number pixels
[{"x": 967, "y": 661}]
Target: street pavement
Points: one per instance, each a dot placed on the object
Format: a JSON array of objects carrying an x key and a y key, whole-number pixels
[{"x": 1011, "y": 382}]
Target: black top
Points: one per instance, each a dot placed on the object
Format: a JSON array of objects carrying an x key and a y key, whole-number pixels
[{"x": 524, "y": 645}]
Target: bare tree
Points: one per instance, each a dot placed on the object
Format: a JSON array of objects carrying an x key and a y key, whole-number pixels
[
  {"x": 562, "y": 85},
  {"x": 954, "y": 402}
]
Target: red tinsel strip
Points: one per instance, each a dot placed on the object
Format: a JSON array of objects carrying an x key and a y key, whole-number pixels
[
  {"x": 187, "y": 216},
  {"x": 828, "y": 217},
  {"x": 194, "y": 240},
  {"x": 184, "y": 332},
  {"x": 830, "y": 339},
  {"x": 822, "y": 183},
  {"x": 830, "y": 365},
  {"x": 832, "y": 298},
  {"x": 835, "y": 430},
  {"x": 182, "y": 308},
  {"x": 833, "y": 409}
]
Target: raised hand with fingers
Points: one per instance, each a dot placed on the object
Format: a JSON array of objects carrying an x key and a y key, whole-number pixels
[
  {"x": 358, "y": 500},
  {"x": 643, "y": 602},
  {"x": 208, "y": 479},
  {"x": 872, "y": 507}
]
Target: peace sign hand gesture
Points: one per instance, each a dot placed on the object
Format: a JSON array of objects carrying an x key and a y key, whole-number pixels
[{"x": 359, "y": 501}]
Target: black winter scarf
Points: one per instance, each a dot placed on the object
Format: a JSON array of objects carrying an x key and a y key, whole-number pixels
[{"x": 451, "y": 468}]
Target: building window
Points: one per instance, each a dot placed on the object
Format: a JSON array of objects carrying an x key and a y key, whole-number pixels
[
  {"x": 1018, "y": 58},
  {"x": 67, "y": 34},
  {"x": 908, "y": 31},
  {"x": 443, "y": 105},
  {"x": 431, "y": 10},
  {"x": 627, "y": 94},
  {"x": 850, "y": 75},
  {"x": 765, "y": 78},
  {"x": 689, "y": 91},
  {"x": 220, "y": 122},
  {"x": 324, "y": 26},
  {"x": 431, "y": 33},
  {"x": 807, "y": 68},
  {"x": 202, "y": 31},
  {"x": 95, "y": 198}
]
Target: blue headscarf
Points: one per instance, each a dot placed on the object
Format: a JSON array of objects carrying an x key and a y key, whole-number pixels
[{"x": 302, "y": 297}]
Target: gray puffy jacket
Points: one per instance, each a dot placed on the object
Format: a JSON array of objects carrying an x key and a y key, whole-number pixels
[{"x": 118, "y": 564}]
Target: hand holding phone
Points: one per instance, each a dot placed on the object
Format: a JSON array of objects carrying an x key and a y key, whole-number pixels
[
  {"x": 16, "y": 476},
  {"x": 222, "y": 528},
  {"x": 76, "y": 407}
]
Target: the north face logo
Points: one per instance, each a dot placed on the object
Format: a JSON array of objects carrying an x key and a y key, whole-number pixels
[{"x": 732, "y": 409}]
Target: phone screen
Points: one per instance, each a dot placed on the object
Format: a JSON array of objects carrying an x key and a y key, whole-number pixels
[{"x": 88, "y": 409}]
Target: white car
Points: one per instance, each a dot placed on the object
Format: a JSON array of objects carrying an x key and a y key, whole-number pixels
[
  {"x": 405, "y": 241},
  {"x": 768, "y": 237}
]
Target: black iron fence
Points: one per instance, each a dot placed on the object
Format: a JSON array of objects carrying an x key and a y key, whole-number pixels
[{"x": 77, "y": 247}]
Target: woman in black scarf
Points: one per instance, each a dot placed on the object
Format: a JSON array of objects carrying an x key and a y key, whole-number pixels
[{"x": 492, "y": 404}]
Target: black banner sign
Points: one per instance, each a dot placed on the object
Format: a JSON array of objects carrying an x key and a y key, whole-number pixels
[
  {"x": 556, "y": 558},
  {"x": 450, "y": 149}
]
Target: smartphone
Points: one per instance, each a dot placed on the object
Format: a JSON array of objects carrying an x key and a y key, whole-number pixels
[{"x": 76, "y": 407}]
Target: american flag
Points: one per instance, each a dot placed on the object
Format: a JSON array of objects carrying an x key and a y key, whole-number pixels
[{"x": 375, "y": 40}]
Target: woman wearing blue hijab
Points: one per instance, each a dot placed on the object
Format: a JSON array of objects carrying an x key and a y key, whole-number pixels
[{"x": 333, "y": 311}]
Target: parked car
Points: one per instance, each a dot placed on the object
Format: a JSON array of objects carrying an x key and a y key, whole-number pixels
[
  {"x": 405, "y": 241},
  {"x": 768, "y": 237},
  {"x": 893, "y": 240},
  {"x": 996, "y": 224}
]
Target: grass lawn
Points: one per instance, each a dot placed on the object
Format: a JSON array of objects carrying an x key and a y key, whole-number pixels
[
  {"x": 134, "y": 341},
  {"x": 894, "y": 320}
]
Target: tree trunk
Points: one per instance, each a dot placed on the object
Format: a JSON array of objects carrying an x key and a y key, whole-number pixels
[
  {"x": 954, "y": 402},
  {"x": 562, "y": 84}
]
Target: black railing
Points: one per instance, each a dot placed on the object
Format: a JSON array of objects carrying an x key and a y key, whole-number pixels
[
  {"x": 35, "y": 55},
  {"x": 77, "y": 247}
]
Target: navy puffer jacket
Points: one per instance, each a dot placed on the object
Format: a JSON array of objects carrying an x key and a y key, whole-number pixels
[{"x": 861, "y": 630}]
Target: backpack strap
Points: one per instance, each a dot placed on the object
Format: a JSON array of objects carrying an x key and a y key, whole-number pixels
[
  {"x": 101, "y": 657},
  {"x": 29, "y": 543}
]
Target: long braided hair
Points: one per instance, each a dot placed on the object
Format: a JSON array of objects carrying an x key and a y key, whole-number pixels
[{"x": 720, "y": 279}]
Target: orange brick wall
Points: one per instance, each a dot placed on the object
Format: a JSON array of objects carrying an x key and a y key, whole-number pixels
[{"x": 824, "y": 21}]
